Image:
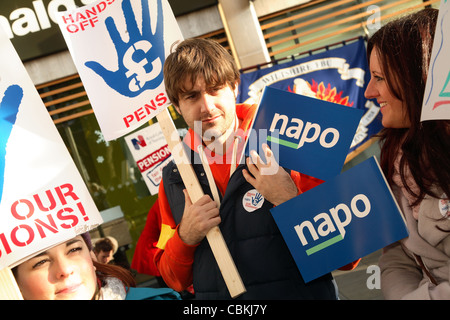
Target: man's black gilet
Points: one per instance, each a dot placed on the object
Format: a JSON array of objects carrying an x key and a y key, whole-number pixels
[{"x": 254, "y": 241}]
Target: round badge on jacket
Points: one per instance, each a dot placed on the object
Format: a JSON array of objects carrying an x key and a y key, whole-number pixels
[
  {"x": 444, "y": 207},
  {"x": 252, "y": 200}
]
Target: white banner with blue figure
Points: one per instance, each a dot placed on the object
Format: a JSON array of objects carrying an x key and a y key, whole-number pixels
[
  {"x": 44, "y": 200},
  {"x": 339, "y": 75},
  {"x": 119, "y": 48}
]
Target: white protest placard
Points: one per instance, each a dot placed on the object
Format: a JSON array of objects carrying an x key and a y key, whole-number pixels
[
  {"x": 44, "y": 200},
  {"x": 119, "y": 53},
  {"x": 151, "y": 153},
  {"x": 436, "y": 102}
]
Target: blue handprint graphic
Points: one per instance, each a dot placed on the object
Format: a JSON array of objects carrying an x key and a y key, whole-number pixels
[
  {"x": 256, "y": 199},
  {"x": 9, "y": 106},
  {"x": 141, "y": 59}
]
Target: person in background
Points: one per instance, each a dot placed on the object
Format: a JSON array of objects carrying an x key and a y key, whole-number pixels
[
  {"x": 105, "y": 248},
  {"x": 67, "y": 272},
  {"x": 415, "y": 158}
]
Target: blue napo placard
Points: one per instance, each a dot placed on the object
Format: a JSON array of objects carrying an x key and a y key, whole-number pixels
[
  {"x": 341, "y": 220},
  {"x": 305, "y": 134}
]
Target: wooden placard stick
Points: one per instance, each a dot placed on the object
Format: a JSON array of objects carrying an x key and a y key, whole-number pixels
[
  {"x": 216, "y": 242},
  {"x": 9, "y": 290}
]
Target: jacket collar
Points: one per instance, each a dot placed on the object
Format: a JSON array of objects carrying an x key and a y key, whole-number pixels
[{"x": 244, "y": 115}]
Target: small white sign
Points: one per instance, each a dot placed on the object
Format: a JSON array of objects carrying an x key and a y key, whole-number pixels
[
  {"x": 436, "y": 101},
  {"x": 151, "y": 153}
]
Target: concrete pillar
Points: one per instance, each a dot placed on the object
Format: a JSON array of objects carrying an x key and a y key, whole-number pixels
[{"x": 244, "y": 32}]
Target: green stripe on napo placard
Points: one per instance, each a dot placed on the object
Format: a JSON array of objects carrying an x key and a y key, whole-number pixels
[
  {"x": 324, "y": 245},
  {"x": 283, "y": 142}
]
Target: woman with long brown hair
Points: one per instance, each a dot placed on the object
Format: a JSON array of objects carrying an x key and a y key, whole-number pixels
[
  {"x": 415, "y": 158},
  {"x": 68, "y": 272}
]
